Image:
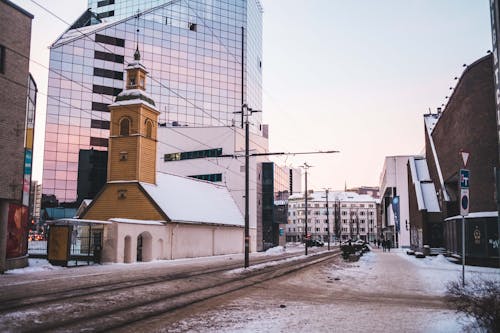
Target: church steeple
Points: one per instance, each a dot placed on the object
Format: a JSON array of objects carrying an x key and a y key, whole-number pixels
[
  {"x": 136, "y": 73},
  {"x": 133, "y": 131}
]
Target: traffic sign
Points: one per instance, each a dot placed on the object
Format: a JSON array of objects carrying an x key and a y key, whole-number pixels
[
  {"x": 465, "y": 157},
  {"x": 464, "y": 178},
  {"x": 464, "y": 202}
]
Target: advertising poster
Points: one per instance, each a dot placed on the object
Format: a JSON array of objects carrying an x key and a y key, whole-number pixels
[{"x": 17, "y": 231}]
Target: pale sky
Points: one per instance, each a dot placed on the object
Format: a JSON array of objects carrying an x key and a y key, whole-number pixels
[{"x": 350, "y": 75}]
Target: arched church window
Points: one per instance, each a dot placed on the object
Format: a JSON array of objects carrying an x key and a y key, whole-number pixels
[
  {"x": 149, "y": 129},
  {"x": 125, "y": 127}
]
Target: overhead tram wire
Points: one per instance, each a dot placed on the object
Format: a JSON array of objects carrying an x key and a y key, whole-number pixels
[
  {"x": 150, "y": 76},
  {"x": 108, "y": 97},
  {"x": 88, "y": 112}
]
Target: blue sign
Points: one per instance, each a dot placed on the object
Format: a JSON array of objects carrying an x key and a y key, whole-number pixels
[
  {"x": 28, "y": 161},
  {"x": 464, "y": 178},
  {"x": 395, "y": 210}
]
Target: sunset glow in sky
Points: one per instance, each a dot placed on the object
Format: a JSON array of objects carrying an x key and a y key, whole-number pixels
[{"x": 354, "y": 76}]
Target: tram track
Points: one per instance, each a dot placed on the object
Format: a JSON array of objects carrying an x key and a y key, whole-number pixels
[
  {"x": 117, "y": 305},
  {"x": 43, "y": 297}
]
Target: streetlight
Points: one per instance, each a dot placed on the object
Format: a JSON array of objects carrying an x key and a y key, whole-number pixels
[
  {"x": 327, "y": 217},
  {"x": 305, "y": 167}
]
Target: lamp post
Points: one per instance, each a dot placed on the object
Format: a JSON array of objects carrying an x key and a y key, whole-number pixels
[
  {"x": 305, "y": 167},
  {"x": 327, "y": 217}
]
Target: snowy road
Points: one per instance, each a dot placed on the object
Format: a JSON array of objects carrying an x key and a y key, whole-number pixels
[{"x": 383, "y": 292}]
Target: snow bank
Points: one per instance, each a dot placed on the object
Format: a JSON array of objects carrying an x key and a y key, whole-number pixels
[{"x": 35, "y": 265}]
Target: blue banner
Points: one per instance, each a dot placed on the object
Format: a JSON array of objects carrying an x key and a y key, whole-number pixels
[{"x": 395, "y": 210}]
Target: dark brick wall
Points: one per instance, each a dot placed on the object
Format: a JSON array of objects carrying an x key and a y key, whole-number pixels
[
  {"x": 468, "y": 123},
  {"x": 15, "y": 35}
]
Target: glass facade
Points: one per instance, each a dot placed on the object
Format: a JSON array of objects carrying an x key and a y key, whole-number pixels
[{"x": 193, "y": 50}]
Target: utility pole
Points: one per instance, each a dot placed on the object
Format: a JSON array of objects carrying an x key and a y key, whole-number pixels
[
  {"x": 246, "y": 112},
  {"x": 327, "y": 217},
  {"x": 305, "y": 167}
]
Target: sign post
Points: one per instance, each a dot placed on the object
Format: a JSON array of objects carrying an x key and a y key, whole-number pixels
[{"x": 464, "y": 209}]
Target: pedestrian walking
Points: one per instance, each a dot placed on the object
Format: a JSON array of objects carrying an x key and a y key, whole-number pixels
[
  {"x": 383, "y": 245},
  {"x": 389, "y": 245}
]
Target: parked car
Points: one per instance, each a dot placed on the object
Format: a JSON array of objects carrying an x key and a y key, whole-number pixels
[{"x": 314, "y": 242}]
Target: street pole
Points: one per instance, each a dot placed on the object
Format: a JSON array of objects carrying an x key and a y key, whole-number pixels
[
  {"x": 247, "y": 186},
  {"x": 327, "y": 217},
  {"x": 305, "y": 166},
  {"x": 463, "y": 251}
]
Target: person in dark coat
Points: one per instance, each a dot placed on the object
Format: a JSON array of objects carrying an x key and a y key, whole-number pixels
[
  {"x": 388, "y": 245},
  {"x": 383, "y": 245}
]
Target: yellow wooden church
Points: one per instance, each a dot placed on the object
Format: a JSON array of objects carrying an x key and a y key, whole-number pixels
[{"x": 154, "y": 215}]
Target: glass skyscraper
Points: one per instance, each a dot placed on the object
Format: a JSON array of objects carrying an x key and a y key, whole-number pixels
[{"x": 205, "y": 61}]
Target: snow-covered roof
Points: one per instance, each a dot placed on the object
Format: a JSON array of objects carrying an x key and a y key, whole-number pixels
[
  {"x": 190, "y": 200},
  {"x": 430, "y": 123},
  {"x": 76, "y": 221},
  {"x": 134, "y": 96},
  {"x": 474, "y": 215},
  {"x": 132, "y": 221},
  {"x": 136, "y": 65},
  {"x": 79, "y": 33},
  {"x": 424, "y": 188}
]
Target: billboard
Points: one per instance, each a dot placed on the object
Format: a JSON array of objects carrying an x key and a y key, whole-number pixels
[{"x": 17, "y": 231}]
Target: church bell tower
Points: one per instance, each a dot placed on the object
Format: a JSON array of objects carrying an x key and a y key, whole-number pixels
[{"x": 133, "y": 129}]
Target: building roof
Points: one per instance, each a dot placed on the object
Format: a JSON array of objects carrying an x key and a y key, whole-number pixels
[
  {"x": 475, "y": 215},
  {"x": 16, "y": 7},
  {"x": 334, "y": 195},
  {"x": 190, "y": 200},
  {"x": 424, "y": 187},
  {"x": 134, "y": 96}
]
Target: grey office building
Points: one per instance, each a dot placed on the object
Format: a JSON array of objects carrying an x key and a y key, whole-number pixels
[{"x": 204, "y": 58}]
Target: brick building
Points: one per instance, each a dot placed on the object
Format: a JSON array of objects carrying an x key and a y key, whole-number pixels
[
  {"x": 15, "y": 39},
  {"x": 468, "y": 123}
]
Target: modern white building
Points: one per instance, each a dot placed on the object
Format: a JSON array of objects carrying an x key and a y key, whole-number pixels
[
  {"x": 394, "y": 200},
  {"x": 216, "y": 154},
  {"x": 350, "y": 216}
]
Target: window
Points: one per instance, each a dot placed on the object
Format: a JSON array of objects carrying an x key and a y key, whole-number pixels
[
  {"x": 102, "y": 124},
  {"x": 2, "y": 59},
  {"x": 106, "y": 14},
  {"x": 110, "y": 40},
  {"x": 109, "y": 57},
  {"x": 106, "y": 90},
  {"x": 192, "y": 155},
  {"x": 108, "y": 73},
  {"x": 125, "y": 127},
  {"x": 216, "y": 177},
  {"x": 149, "y": 129},
  {"x": 193, "y": 27},
  {"x": 101, "y": 142},
  {"x": 105, "y": 3},
  {"x": 100, "y": 107}
]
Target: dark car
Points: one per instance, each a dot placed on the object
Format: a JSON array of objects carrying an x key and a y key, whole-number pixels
[{"x": 314, "y": 242}]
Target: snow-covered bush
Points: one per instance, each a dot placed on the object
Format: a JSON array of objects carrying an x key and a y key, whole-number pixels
[{"x": 479, "y": 299}]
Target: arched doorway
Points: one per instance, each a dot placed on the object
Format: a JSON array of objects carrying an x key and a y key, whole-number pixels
[
  {"x": 144, "y": 247},
  {"x": 127, "y": 252}
]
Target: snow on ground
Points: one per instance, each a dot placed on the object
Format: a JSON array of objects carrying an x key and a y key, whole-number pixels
[
  {"x": 438, "y": 271},
  {"x": 382, "y": 292},
  {"x": 35, "y": 265}
]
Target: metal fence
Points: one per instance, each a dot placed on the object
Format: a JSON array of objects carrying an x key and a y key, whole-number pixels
[{"x": 85, "y": 246}]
